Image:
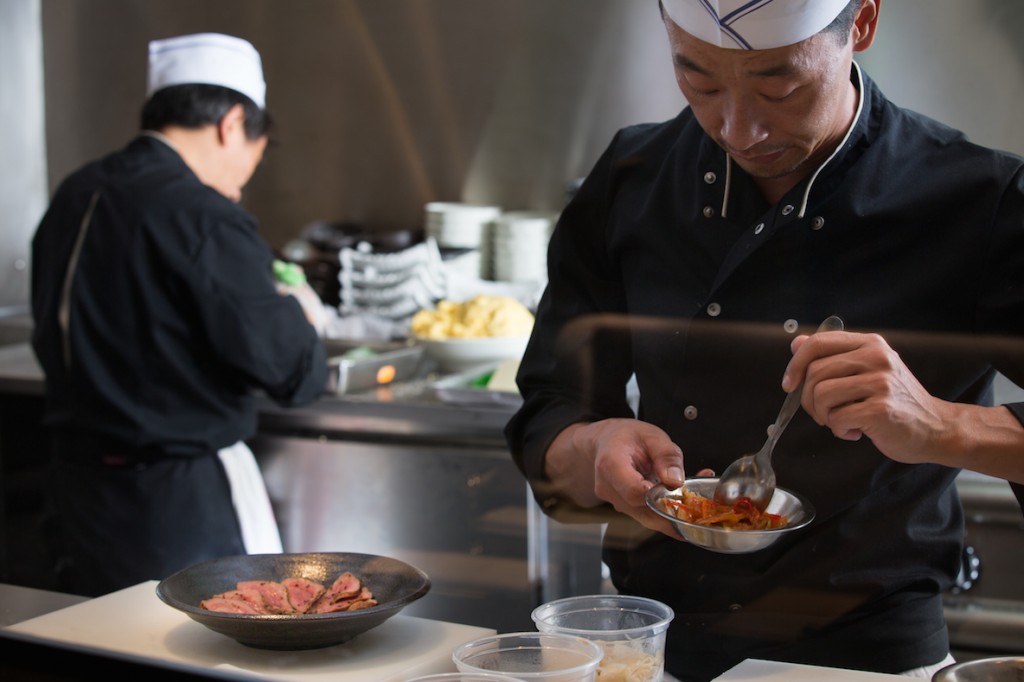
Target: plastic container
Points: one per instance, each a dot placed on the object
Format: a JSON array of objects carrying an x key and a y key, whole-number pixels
[
  {"x": 630, "y": 631},
  {"x": 464, "y": 677},
  {"x": 531, "y": 656}
]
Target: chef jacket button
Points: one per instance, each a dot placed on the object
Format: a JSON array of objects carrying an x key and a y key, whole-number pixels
[
  {"x": 757, "y": 230},
  {"x": 790, "y": 325},
  {"x": 710, "y": 178},
  {"x": 690, "y": 412},
  {"x": 709, "y": 212},
  {"x": 714, "y": 309},
  {"x": 787, "y": 209},
  {"x": 817, "y": 223}
]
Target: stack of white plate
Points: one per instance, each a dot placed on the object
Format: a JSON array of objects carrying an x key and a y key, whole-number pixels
[
  {"x": 393, "y": 285},
  {"x": 462, "y": 226},
  {"x": 468, "y": 262},
  {"x": 459, "y": 226},
  {"x": 519, "y": 246}
]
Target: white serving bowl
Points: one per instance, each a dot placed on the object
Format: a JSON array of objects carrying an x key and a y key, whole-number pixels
[{"x": 455, "y": 355}]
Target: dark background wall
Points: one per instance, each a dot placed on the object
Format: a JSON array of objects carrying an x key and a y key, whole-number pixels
[{"x": 384, "y": 105}]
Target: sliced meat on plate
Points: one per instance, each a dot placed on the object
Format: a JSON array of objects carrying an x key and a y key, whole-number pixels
[
  {"x": 275, "y": 595},
  {"x": 302, "y": 593}
]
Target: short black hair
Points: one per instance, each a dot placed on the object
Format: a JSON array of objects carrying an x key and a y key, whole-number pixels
[
  {"x": 842, "y": 24},
  {"x": 194, "y": 105}
]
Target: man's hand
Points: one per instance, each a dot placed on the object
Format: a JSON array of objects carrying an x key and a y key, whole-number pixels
[
  {"x": 311, "y": 304},
  {"x": 615, "y": 461},
  {"x": 857, "y": 385}
]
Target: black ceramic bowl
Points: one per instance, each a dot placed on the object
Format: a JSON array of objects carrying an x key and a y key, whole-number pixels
[{"x": 394, "y": 584}]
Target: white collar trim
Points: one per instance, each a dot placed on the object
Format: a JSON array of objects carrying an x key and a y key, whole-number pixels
[{"x": 814, "y": 176}]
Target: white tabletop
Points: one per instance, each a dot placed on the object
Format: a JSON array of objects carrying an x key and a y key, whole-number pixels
[
  {"x": 773, "y": 671},
  {"x": 134, "y": 625}
]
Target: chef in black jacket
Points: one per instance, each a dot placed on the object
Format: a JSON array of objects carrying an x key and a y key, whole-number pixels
[
  {"x": 156, "y": 318},
  {"x": 698, "y": 255}
]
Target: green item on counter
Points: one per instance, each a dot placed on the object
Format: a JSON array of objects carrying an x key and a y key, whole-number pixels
[
  {"x": 359, "y": 353},
  {"x": 289, "y": 273},
  {"x": 480, "y": 381}
]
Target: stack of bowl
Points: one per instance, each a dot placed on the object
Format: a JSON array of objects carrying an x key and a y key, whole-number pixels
[
  {"x": 462, "y": 231},
  {"x": 519, "y": 246}
]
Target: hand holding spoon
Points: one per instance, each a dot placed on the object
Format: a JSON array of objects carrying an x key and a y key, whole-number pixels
[{"x": 752, "y": 476}]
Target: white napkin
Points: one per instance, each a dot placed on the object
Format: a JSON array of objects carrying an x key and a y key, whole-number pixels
[{"x": 251, "y": 501}]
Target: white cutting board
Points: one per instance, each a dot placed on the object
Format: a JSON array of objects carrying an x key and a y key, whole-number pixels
[
  {"x": 133, "y": 624},
  {"x": 772, "y": 671}
]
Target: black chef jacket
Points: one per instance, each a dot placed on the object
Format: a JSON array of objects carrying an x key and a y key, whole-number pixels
[
  {"x": 152, "y": 352},
  {"x": 669, "y": 264},
  {"x": 173, "y": 319}
]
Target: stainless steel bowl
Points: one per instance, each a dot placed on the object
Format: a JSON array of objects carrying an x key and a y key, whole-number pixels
[
  {"x": 1009, "y": 669},
  {"x": 730, "y": 541}
]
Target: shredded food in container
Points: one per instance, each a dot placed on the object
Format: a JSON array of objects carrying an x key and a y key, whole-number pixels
[{"x": 625, "y": 663}]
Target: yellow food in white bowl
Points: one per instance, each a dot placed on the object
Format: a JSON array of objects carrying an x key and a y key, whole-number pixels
[
  {"x": 479, "y": 317},
  {"x": 485, "y": 329}
]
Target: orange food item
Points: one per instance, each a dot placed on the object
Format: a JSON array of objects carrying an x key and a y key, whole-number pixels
[{"x": 689, "y": 506}]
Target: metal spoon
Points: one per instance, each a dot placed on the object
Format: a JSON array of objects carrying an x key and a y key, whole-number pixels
[{"x": 752, "y": 476}]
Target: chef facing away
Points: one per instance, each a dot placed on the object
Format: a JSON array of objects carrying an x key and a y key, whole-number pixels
[
  {"x": 698, "y": 257},
  {"x": 157, "y": 318}
]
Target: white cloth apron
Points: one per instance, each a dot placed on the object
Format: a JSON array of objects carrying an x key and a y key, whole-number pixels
[{"x": 251, "y": 501}]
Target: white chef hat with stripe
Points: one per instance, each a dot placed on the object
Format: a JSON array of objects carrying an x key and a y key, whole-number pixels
[
  {"x": 753, "y": 24},
  {"x": 207, "y": 58}
]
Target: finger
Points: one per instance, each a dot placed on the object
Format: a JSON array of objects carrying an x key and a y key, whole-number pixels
[
  {"x": 667, "y": 463},
  {"x": 797, "y": 366},
  {"x": 652, "y": 521},
  {"x": 836, "y": 387},
  {"x": 808, "y": 349},
  {"x": 622, "y": 485}
]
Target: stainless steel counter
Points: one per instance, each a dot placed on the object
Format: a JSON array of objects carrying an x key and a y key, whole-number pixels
[{"x": 400, "y": 412}]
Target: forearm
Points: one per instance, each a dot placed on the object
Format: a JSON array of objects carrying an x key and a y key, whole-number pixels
[
  {"x": 570, "y": 468},
  {"x": 988, "y": 440}
]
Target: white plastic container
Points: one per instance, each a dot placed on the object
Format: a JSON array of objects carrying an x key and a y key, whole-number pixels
[
  {"x": 629, "y": 630},
  {"x": 464, "y": 677},
  {"x": 531, "y": 656}
]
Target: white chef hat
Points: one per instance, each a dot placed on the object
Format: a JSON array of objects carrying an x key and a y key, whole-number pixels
[
  {"x": 207, "y": 58},
  {"x": 753, "y": 24}
]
